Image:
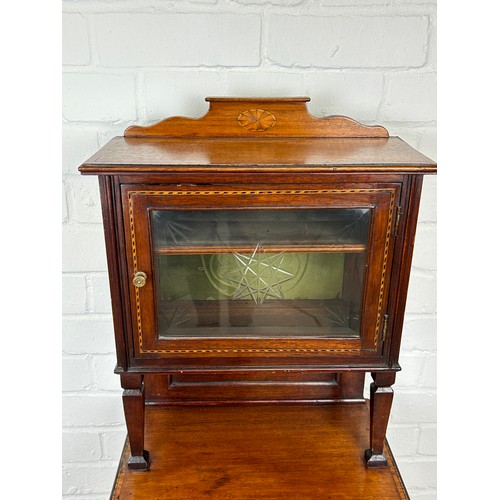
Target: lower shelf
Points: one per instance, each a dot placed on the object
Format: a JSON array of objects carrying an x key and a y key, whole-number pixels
[
  {"x": 259, "y": 452},
  {"x": 244, "y": 318}
]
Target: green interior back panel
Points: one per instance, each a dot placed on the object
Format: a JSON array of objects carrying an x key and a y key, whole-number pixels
[{"x": 291, "y": 276}]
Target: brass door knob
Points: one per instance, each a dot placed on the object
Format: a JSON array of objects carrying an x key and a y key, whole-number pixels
[{"x": 139, "y": 279}]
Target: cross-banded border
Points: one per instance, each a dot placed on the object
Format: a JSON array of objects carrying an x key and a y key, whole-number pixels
[{"x": 250, "y": 193}]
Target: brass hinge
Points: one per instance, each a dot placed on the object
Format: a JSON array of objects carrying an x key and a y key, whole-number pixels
[
  {"x": 396, "y": 221},
  {"x": 384, "y": 326}
]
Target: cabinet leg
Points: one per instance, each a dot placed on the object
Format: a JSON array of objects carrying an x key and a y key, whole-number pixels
[
  {"x": 381, "y": 395},
  {"x": 133, "y": 405}
]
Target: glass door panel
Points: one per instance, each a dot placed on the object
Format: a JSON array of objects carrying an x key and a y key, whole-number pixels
[{"x": 260, "y": 273}]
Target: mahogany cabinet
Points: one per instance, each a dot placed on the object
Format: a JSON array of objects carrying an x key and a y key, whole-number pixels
[{"x": 258, "y": 255}]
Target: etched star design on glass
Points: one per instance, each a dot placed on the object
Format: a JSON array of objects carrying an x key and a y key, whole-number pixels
[
  {"x": 259, "y": 276},
  {"x": 337, "y": 315},
  {"x": 172, "y": 232}
]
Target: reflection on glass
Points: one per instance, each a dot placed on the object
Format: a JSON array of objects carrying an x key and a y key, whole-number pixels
[{"x": 260, "y": 273}]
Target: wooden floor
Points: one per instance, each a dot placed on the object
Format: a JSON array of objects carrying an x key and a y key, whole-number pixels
[{"x": 258, "y": 452}]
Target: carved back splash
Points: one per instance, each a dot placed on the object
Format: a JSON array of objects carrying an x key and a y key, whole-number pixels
[{"x": 257, "y": 117}]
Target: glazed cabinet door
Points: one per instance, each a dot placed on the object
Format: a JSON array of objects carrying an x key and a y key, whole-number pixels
[{"x": 256, "y": 271}]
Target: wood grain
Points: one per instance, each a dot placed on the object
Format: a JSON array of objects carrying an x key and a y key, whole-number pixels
[
  {"x": 251, "y": 387},
  {"x": 157, "y": 155},
  {"x": 201, "y": 250},
  {"x": 258, "y": 154},
  {"x": 265, "y": 452},
  {"x": 133, "y": 407},
  {"x": 139, "y": 199},
  {"x": 255, "y": 117}
]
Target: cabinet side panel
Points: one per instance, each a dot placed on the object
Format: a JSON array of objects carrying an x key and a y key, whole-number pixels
[
  {"x": 407, "y": 229},
  {"x": 110, "y": 237}
]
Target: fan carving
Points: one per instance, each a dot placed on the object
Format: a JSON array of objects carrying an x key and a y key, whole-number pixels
[{"x": 256, "y": 120}]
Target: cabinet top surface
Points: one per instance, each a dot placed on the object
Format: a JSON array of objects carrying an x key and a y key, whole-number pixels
[
  {"x": 158, "y": 154},
  {"x": 257, "y": 134}
]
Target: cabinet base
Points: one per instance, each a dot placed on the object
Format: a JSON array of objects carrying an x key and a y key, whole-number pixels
[{"x": 258, "y": 452}]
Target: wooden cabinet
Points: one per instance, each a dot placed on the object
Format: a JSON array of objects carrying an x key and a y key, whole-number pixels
[{"x": 258, "y": 254}]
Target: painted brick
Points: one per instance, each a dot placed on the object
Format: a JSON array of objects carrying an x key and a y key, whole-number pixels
[
  {"x": 270, "y": 2},
  {"x": 100, "y": 294},
  {"x": 425, "y": 251},
  {"x": 413, "y": 407},
  {"x": 87, "y": 335},
  {"x": 77, "y": 376},
  {"x": 91, "y": 410},
  {"x": 75, "y": 40},
  {"x": 127, "y": 40},
  {"x": 92, "y": 496},
  {"x": 64, "y": 205},
  {"x": 83, "y": 248},
  {"x": 103, "y": 368},
  {"x": 107, "y": 97},
  {"x": 415, "y": 2},
  {"x": 173, "y": 93},
  {"x": 366, "y": 389},
  {"x": 74, "y": 294},
  {"x": 403, "y": 440},
  {"x": 420, "y": 333},
  {"x": 409, "y": 134},
  {"x": 429, "y": 373},
  {"x": 428, "y": 441},
  {"x": 354, "y": 3},
  {"x": 427, "y": 494},
  {"x": 347, "y": 42},
  {"x": 350, "y": 94},
  {"x": 264, "y": 82},
  {"x": 428, "y": 143},
  {"x": 424, "y": 139},
  {"x": 421, "y": 292},
  {"x": 418, "y": 475},
  {"x": 112, "y": 443},
  {"x": 428, "y": 202},
  {"x": 432, "y": 50},
  {"x": 83, "y": 480},
  {"x": 410, "y": 97},
  {"x": 84, "y": 198},
  {"x": 78, "y": 144},
  {"x": 81, "y": 446},
  {"x": 107, "y": 132},
  {"x": 412, "y": 366}
]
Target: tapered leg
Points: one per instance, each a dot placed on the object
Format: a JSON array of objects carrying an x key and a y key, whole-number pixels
[
  {"x": 381, "y": 395},
  {"x": 133, "y": 405}
]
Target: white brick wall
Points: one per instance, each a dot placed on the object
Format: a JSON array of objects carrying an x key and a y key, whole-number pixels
[
  {"x": 167, "y": 39},
  {"x": 137, "y": 61},
  {"x": 340, "y": 41}
]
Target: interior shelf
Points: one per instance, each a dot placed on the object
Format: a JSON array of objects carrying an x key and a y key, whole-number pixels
[
  {"x": 244, "y": 318},
  {"x": 250, "y": 249}
]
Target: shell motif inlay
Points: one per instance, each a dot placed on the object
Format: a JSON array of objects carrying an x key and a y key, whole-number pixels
[{"x": 256, "y": 120}]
